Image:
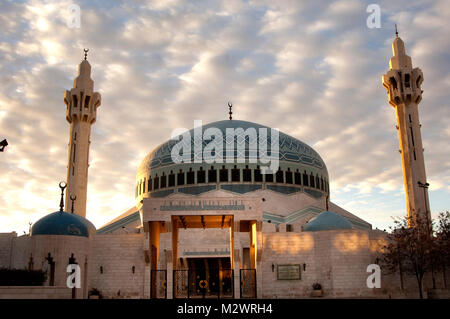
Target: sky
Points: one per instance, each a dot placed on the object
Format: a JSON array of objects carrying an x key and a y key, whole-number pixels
[{"x": 310, "y": 68}]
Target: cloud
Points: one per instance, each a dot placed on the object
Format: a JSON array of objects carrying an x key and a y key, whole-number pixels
[{"x": 310, "y": 68}]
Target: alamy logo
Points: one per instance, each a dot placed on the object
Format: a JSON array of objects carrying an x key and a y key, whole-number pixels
[
  {"x": 241, "y": 145},
  {"x": 74, "y": 279},
  {"x": 374, "y": 279}
]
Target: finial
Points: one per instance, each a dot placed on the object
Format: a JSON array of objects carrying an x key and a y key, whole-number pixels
[
  {"x": 396, "y": 31},
  {"x": 85, "y": 53},
  {"x": 62, "y": 185},
  {"x": 230, "y": 113},
  {"x": 72, "y": 198}
]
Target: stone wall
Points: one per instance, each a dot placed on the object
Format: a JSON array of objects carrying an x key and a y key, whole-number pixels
[
  {"x": 117, "y": 254},
  {"x": 6, "y": 240},
  {"x": 35, "y": 292}
]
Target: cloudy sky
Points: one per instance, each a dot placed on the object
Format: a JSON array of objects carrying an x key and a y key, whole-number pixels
[{"x": 310, "y": 68}]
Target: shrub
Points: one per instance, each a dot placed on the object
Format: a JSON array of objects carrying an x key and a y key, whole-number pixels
[{"x": 22, "y": 277}]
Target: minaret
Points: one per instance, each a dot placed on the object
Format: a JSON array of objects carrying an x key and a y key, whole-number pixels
[
  {"x": 403, "y": 83},
  {"x": 82, "y": 103}
]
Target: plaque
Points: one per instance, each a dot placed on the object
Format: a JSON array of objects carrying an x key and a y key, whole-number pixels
[{"x": 288, "y": 272}]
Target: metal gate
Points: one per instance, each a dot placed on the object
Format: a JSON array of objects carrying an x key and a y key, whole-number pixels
[
  {"x": 214, "y": 284},
  {"x": 158, "y": 284},
  {"x": 248, "y": 283}
]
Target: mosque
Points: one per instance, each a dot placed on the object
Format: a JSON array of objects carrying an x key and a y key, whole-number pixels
[{"x": 216, "y": 229}]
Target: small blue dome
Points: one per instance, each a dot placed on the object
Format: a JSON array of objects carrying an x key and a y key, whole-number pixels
[
  {"x": 63, "y": 223},
  {"x": 328, "y": 221}
]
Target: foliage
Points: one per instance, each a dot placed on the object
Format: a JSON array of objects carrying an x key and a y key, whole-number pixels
[
  {"x": 22, "y": 277},
  {"x": 95, "y": 292},
  {"x": 317, "y": 286},
  {"x": 415, "y": 249}
]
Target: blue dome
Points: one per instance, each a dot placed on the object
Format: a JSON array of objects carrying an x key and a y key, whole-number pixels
[
  {"x": 290, "y": 149},
  {"x": 63, "y": 223},
  {"x": 327, "y": 221}
]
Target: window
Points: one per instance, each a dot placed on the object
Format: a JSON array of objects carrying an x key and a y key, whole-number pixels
[
  {"x": 212, "y": 175},
  {"x": 201, "y": 176},
  {"x": 150, "y": 184},
  {"x": 269, "y": 178},
  {"x": 171, "y": 179},
  {"x": 143, "y": 186},
  {"x": 297, "y": 178},
  {"x": 223, "y": 174},
  {"x": 247, "y": 174},
  {"x": 156, "y": 182},
  {"x": 190, "y": 177},
  {"x": 235, "y": 174},
  {"x": 305, "y": 179},
  {"x": 289, "y": 228},
  {"x": 317, "y": 182},
  {"x": 258, "y": 175},
  {"x": 163, "y": 181},
  {"x": 280, "y": 176},
  {"x": 180, "y": 178},
  {"x": 311, "y": 180},
  {"x": 321, "y": 183},
  {"x": 289, "y": 177}
]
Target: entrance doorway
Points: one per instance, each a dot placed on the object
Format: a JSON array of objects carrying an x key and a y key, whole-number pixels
[{"x": 205, "y": 278}]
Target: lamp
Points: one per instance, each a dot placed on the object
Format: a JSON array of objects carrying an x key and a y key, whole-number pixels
[{"x": 3, "y": 144}]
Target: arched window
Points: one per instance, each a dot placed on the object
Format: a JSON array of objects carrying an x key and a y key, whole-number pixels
[
  {"x": 180, "y": 178},
  {"x": 235, "y": 174},
  {"x": 297, "y": 178},
  {"x": 156, "y": 182},
  {"x": 258, "y": 175},
  {"x": 143, "y": 186},
  {"x": 321, "y": 183},
  {"x": 212, "y": 175},
  {"x": 171, "y": 179},
  {"x": 201, "y": 176},
  {"x": 150, "y": 184},
  {"x": 289, "y": 176},
  {"x": 311, "y": 180},
  {"x": 305, "y": 179},
  {"x": 223, "y": 174},
  {"x": 190, "y": 176},
  {"x": 279, "y": 176},
  {"x": 317, "y": 182},
  {"x": 163, "y": 180},
  {"x": 247, "y": 174}
]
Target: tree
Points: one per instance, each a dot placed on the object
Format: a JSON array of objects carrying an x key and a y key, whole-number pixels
[
  {"x": 410, "y": 249},
  {"x": 442, "y": 251}
]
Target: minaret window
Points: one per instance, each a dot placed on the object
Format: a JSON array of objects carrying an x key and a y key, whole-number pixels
[
  {"x": 212, "y": 175},
  {"x": 74, "y": 150},
  {"x": 75, "y": 100},
  {"x": 201, "y": 176},
  {"x": 407, "y": 84},
  {"x": 393, "y": 82},
  {"x": 86, "y": 101}
]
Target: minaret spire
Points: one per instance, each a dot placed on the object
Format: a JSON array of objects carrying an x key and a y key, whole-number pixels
[
  {"x": 403, "y": 83},
  {"x": 81, "y": 112}
]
